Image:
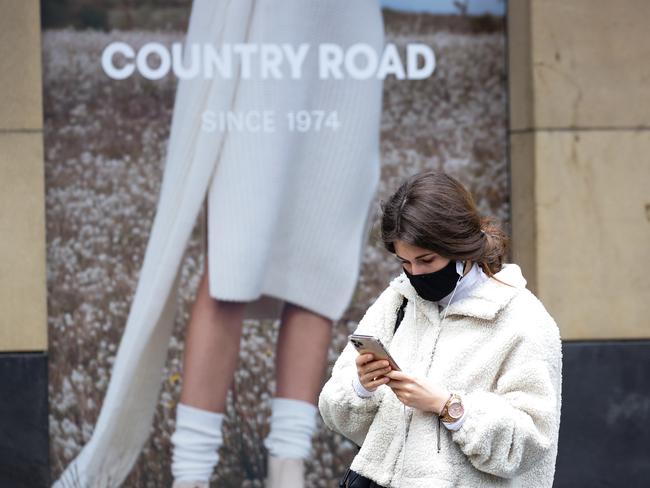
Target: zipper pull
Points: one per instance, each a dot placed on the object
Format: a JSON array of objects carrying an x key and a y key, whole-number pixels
[{"x": 438, "y": 434}]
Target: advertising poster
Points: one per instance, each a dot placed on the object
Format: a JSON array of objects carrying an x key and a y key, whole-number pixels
[{"x": 246, "y": 146}]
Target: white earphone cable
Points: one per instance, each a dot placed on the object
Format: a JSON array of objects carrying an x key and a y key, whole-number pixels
[{"x": 401, "y": 470}]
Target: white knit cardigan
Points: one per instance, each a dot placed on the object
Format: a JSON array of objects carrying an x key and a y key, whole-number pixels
[{"x": 499, "y": 348}]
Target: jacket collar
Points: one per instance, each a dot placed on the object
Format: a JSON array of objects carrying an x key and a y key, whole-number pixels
[{"x": 483, "y": 301}]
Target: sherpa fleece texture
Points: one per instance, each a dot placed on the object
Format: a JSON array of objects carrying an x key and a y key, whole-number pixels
[{"x": 499, "y": 348}]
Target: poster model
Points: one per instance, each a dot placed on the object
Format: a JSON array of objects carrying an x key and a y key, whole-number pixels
[{"x": 251, "y": 144}]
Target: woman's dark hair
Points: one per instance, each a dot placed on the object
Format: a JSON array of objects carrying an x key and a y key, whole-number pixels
[{"x": 434, "y": 211}]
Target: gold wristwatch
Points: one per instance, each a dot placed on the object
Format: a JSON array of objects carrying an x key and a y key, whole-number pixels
[{"x": 453, "y": 409}]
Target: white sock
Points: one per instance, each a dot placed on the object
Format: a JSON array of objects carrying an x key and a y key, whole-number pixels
[
  {"x": 196, "y": 441},
  {"x": 293, "y": 423}
]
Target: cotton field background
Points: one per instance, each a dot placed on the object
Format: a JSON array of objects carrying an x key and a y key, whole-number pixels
[{"x": 105, "y": 146}]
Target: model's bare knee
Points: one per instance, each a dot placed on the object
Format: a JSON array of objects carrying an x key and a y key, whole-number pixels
[{"x": 292, "y": 311}]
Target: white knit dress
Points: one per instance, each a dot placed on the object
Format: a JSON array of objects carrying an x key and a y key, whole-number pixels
[{"x": 286, "y": 210}]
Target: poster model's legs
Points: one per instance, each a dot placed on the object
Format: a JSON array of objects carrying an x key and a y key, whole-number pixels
[
  {"x": 211, "y": 350},
  {"x": 210, "y": 359},
  {"x": 301, "y": 361},
  {"x": 302, "y": 353}
]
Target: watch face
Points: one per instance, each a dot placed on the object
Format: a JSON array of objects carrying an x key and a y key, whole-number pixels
[{"x": 456, "y": 410}]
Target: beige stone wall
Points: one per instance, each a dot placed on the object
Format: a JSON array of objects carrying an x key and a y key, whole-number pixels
[
  {"x": 23, "y": 317},
  {"x": 580, "y": 161}
]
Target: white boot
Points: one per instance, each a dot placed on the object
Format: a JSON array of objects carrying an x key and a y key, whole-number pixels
[
  {"x": 191, "y": 484},
  {"x": 285, "y": 472}
]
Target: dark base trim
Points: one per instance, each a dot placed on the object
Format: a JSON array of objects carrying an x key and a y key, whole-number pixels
[{"x": 24, "y": 436}]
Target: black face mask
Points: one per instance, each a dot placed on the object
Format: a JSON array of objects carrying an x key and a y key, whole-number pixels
[{"x": 436, "y": 285}]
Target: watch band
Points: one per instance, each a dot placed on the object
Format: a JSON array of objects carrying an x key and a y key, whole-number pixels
[{"x": 443, "y": 412}]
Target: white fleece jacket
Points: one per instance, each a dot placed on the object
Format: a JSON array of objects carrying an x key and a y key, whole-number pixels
[{"x": 499, "y": 348}]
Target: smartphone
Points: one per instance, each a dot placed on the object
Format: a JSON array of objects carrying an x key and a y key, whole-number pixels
[{"x": 371, "y": 344}]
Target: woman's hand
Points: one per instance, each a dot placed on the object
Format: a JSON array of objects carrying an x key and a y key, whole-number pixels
[
  {"x": 418, "y": 392},
  {"x": 371, "y": 372}
]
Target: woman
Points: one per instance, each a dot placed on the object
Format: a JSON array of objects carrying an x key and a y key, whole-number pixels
[{"x": 478, "y": 354}]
